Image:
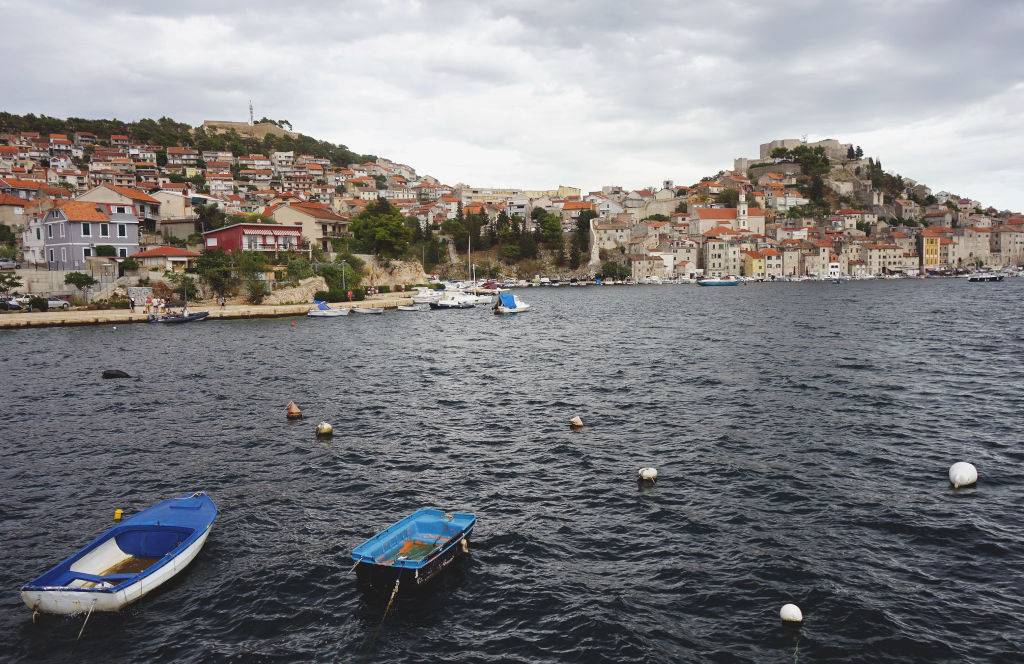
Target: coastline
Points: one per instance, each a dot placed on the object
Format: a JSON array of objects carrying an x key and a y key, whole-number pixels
[{"x": 76, "y": 317}]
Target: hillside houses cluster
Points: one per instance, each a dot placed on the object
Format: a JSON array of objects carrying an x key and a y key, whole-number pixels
[{"x": 133, "y": 196}]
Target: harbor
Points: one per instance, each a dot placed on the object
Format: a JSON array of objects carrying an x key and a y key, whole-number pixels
[{"x": 799, "y": 461}]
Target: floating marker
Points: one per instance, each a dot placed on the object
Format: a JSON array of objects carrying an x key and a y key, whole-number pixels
[
  {"x": 117, "y": 516},
  {"x": 324, "y": 429},
  {"x": 293, "y": 323},
  {"x": 962, "y": 473},
  {"x": 576, "y": 423},
  {"x": 293, "y": 411},
  {"x": 647, "y": 475},
  {"x": 791, "y": 613}
]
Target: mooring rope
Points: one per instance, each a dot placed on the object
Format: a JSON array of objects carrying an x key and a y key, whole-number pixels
[
  {"x": 85, "y": 621},
  {"x": 394, "y": 592}
]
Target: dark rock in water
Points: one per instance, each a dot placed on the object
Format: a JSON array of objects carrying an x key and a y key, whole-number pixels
[{"x": 115, "y": 373}]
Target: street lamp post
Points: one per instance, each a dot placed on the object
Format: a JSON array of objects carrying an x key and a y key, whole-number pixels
[{"x": 343, "y": 286}]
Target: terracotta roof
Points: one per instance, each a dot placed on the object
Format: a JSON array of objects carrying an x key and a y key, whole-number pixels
[
  {"x": 10, "y": 199},
  {"x": 133, "y": 194},
  {"x": 82, "y": 211}
]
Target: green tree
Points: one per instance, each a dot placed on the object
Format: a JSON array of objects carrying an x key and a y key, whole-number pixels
[
  {"x": 551, "y": 230},
  {"x": 575, "y": 257},
  {"x": 614, "y": 270},
  {"x": 727, "y": 197},
  {"x": 79, "y": 280},
  {"x": 250, "y": 263},
  {"x": 299, "y": 268},
  {"x": 381, "y": 229},
  {"x": 780, "y": 153},
  {"x": 184, "y": 284},
  {"x": 850, "y": 154},
  {"x": 215, "y": 270},
  {"x": 858, "y": 153},
  {"x": 106, "y": 250},
  {"x": 9, "y": 281},
  {"x": 681, "y": 208},
  {"x": 583, "y": 229}
]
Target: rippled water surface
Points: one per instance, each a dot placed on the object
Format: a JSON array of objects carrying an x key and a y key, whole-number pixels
[{"x": 802, "y": 435}]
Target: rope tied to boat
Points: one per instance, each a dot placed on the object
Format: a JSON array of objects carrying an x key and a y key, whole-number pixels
[{"x": 381, "y": 625}]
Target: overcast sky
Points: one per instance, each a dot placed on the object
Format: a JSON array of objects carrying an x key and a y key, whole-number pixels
[{"x": 535, "y": 94}]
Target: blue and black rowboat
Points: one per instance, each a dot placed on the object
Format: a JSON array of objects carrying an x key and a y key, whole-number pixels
[{"x": 414, "y": 550}]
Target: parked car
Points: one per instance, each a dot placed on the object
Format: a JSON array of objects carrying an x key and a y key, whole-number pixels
[
  {"x": 9, "y": 303},
  {"x": 6, "y": 264},
  {"x": 57, "y": 303}
]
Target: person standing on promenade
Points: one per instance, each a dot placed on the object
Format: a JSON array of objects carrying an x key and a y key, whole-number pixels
[
  {"x": 222, "y": 300},
  {"x": 131, "y": 301},
  {"x": 149, "y": 303}
]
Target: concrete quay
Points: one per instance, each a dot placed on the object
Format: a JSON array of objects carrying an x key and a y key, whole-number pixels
[{"x": 76, "y": 316}]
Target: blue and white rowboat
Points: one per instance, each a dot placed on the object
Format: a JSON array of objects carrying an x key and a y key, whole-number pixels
[{"x": 126, "y": 562}]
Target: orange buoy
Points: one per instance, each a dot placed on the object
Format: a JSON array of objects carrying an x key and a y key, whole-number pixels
[
  {"x": 293, "y": 411},
  {"x": 293, "y": 323}
]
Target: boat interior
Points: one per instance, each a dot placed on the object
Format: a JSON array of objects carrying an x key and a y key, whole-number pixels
[{"x": 119, "y": 557}]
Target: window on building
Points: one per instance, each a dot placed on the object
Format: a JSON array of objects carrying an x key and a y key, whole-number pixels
[
  {"x": 87, "y": 252},
  {"x": 122, "y": 252},
  {"x": 51, "y": 255},
  {"x": 39, "y": 234},
  {"x": 86, "y": 229},
  {"x": 122, "y": 230},
  {"x": 104, "y": 230},
  {"x": 62, "y": 230}
]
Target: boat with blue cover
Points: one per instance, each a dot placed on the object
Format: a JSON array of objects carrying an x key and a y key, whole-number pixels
[
  {"x": 509, "y": 303},
  {"x": 127, "y": 561},
  {"x": 414, "y": 550},
  {"x": 323, "y": 310}
]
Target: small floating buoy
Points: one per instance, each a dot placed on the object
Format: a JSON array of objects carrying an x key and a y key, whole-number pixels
[
  {"x": 324, "y": 429},
  {"x": 115, "y": 327},
  {"x": 117, "y": 516},
  {"x": 465, "y": 546},
  {"x": 293, "y": 323},
  {"x": 647, "y": 475},
  {"x": 791, "y": 613},
  {"x": 576, "y": 423},
  {"x": 962, "y": 473},
  {"x": 114, "y": 373},
  {"x": 293, "y": 411}
]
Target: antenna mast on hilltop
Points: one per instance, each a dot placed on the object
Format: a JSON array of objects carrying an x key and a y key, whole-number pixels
[{"x": 251, "y": 120}]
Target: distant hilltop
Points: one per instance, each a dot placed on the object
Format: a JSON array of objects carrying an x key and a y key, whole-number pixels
[{"x": 258, "y": 130}]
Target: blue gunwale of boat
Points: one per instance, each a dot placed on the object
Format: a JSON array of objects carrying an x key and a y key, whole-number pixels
[
  {"x": 189, "y": 516},
  {"x": 375, "y": 550}
]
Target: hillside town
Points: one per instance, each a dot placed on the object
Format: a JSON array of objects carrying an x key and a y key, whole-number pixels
[{"x": 798, "y": 209}]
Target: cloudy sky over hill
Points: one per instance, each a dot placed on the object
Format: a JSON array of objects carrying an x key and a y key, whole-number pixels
[{"x": 536, "y": 94}]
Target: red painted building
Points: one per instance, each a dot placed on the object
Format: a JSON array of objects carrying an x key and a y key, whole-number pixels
[{"x": 254, "y": 237}]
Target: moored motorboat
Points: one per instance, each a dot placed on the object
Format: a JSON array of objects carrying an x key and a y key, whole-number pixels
[
  {"x": 368, "y": 310},
  {"x": 127, "y": 561},
  {"x": 723, "y": 281},
  {"x": 322, "y": 310},
  {"x": 183, "y": 317},
  {"x": 408, "y": 307},
  {"x": 984, "y": 277},
  {"x": 509, "y": 303},
  {"x": 414, "y": 550},
  {"x": 454, "y": 300}
]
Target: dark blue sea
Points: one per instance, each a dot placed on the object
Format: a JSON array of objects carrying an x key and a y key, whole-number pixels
[{"x": 802, "y": 434}]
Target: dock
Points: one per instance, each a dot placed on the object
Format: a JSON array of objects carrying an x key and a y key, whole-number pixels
[{"x": 82, "y": 316}]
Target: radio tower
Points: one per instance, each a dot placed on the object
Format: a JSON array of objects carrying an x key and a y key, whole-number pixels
[{"x": 251, "y": 120}]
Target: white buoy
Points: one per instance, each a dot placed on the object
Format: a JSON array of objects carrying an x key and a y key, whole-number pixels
[
  {"x": 576, "y": 423},
  {"x": 791, "y": 613},
  {"x": 324, "y": 429},
  {"x": 962, "y": 473},
  {"x": 649, "y": 475}
]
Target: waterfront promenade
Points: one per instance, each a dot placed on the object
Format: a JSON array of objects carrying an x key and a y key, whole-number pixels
[{"x": 74, "y": 316}]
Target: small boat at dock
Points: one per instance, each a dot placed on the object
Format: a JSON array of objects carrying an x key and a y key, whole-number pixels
[
  {"x": 127, "y": 561},
  {"x": 980, "y": 277},
  {"x": 414, "y": 550},
  {"x": 724, "y": 281},
  {"x": 368, "y": 310},
  {"x": 323, "y": 310}
]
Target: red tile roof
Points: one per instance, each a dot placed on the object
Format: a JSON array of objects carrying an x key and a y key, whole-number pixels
[{"x": 166, "y": 251}]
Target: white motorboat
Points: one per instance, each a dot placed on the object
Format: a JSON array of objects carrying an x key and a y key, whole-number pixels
[
  {"x": 321, "y": 310},
  {"x": 427, "y": 295},
  {"x": 509, "y": 303},
  {"x": 455, "y": 300},
  {"x": 368, "y": 310}
]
